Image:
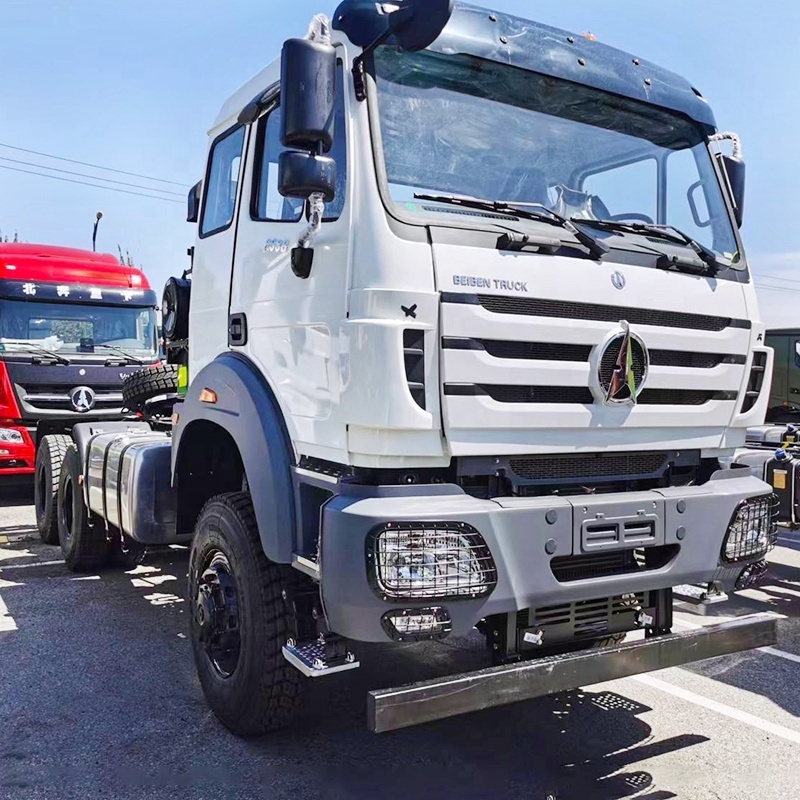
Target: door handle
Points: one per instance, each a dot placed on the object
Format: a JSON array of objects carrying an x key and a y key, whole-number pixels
[{"x": 237, "y": 330}]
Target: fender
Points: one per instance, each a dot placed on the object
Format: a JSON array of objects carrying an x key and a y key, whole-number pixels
[{"x": 248, "y": 411}]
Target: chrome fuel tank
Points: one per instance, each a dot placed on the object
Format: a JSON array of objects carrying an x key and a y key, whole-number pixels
[{"x": 128, "y": 483}]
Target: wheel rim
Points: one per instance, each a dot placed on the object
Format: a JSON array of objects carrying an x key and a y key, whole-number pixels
[
  {"x": 217, "y": 615},
  {"x": 66, "y": 513}
]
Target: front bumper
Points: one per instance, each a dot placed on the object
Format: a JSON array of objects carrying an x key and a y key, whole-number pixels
[
  {"x": 389, "y": 709},
  {"x": 525, "y": 535},
  {"x": 17, "y": 459}
]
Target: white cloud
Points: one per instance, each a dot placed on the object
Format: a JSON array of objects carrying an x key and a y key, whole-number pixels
[{"x": 777, "y": 279}]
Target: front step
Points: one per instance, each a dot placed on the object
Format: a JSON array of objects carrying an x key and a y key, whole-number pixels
[{"x": 311, "y": 659}]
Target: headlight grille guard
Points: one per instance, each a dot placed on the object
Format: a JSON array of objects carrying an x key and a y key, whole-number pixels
[
  {"x": 475, "y": 574},
  {"x": 746, "y": 514}
]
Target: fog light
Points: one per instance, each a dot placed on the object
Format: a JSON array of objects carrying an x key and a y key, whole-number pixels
[
  {"x": 11, "y": 436},
  {"x": 751, "y": 575},
  {"x": 430, "y": 560},
  {"x": 753, "y": 531},
  {"x": 413, "y": 624}
]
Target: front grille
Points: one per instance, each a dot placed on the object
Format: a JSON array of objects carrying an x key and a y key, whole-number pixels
[
  {"x": 539, "y": 394},
  {"x": 557, "y": 351},
  {"x": 616, "y": 562},
  {"x": 535, "y": 307},
  {"x": 614, "y": 465},
  {"x": 587, "y": 618},
  {"x": 682, "y": 397},
  {"x": 676, "y": 358},
  {"x": 581, "y": 395}
]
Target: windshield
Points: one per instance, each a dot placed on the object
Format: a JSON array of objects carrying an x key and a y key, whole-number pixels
[
  {"x": 461, "y": 125},
  {"x": 76, "y": 328}
]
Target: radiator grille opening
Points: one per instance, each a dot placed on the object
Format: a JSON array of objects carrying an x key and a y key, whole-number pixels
[
  {"x": 617, "y": 562},
  {"x": 616, "y": 465},
  {"x": 636, "y": 316}
]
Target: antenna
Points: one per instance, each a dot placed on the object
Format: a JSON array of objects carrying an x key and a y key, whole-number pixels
[{"x": 94, "y": 232}]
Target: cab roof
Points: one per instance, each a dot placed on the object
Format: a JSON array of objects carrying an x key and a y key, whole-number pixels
[{"x": 52, "y": 264}]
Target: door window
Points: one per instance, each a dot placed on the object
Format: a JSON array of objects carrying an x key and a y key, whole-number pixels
[
  {"x": 222, "y": 183},
  {"x": 268, "y": 203}
]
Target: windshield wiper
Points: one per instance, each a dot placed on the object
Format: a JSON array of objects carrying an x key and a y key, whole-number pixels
[
  {"x": 529, "y": 211},
  {"x": 121, "y": 351},
  {"x": 668, "y": 233},
  {"x": 38, "y": 349}
]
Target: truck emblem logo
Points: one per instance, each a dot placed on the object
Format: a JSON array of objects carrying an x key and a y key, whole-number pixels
[
  {"x": 618, "y": 279},
  {"x": 82, "y": 399},
  {"x": 623, "y": 367}
]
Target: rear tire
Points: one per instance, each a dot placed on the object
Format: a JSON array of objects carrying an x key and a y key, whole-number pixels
[
  {"x": 49, "y": 458},
  {"x": 240, "y": 621},
  {"x": 83, "y": 540}
]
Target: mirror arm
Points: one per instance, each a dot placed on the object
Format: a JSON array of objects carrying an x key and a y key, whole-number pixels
[{"x": 359, "y": 72}]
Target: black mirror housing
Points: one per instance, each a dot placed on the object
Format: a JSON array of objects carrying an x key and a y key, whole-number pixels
[
  {"x": 734, "y": 171},
  {"x": 301, "y": 174},
  {"x": 308, "y": 94},
  {"x": 193, "y": 202}
]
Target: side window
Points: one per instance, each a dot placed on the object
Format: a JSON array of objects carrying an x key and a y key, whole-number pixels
[
  {"x": 223, "y": 182},
  {"x": 630, "y": 189},
  {"x": 268, "y": 203},
  {"x": 686, "y": 199}
]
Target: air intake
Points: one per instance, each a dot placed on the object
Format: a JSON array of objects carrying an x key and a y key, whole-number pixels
[
  {"x": 414, "y": 357},
  {"x": 756, "y": 381}
]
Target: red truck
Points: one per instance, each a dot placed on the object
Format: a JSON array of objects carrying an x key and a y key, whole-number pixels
[{"x": 73, "y": 324}]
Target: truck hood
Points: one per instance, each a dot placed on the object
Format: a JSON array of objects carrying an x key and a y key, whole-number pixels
[{"x": 530, "y": 343}]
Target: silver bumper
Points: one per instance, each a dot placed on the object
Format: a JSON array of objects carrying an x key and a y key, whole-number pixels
[{"x": 389, "y": 709}]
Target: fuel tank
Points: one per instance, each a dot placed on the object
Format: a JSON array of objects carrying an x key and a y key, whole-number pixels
[{"x": 128, "y": 484}]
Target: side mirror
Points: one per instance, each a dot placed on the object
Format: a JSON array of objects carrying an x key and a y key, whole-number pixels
[
  {"x": 414, "y": 24},
  {"x": 418, "y": 23},
  {"x": 308, "y": 96},
  {"x": 193, "y": 209},
  {"x": 734, "y": 171},
  {"x": 301, "y": 174}
]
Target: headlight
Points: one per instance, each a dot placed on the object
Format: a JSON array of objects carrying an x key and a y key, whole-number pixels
[
  {"x": 753, "y": 530},
  {"x": 430, "y": 560},
  {"x": 10, "y": 436}
]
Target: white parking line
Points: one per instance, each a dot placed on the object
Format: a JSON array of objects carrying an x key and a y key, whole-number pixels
[
  {"x": 773, "y": 651},
  {"x": 720, "y": 708},
  {"x": 28, "y": 566}
]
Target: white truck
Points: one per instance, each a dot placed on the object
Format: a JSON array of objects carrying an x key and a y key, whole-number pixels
[{"x": 472, "y": 335}]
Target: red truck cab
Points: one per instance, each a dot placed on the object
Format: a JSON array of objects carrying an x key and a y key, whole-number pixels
[{"x": 73, "y": 324}]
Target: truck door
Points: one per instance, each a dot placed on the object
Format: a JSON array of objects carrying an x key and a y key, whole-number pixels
[
  {"x": 214, "y": 253},
  {"x": 287, "y": 325}
]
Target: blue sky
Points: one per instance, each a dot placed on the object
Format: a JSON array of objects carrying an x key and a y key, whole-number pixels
[{"x": 135, "y": 86}]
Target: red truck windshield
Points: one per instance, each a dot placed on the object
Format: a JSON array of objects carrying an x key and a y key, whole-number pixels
[{"x": 69, "y": 328}]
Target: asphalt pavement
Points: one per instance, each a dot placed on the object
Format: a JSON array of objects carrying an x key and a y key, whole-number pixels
[{"x": 99, "y": 699}]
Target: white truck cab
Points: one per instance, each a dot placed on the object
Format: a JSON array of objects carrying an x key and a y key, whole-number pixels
[{"x": 471, "y": 328}]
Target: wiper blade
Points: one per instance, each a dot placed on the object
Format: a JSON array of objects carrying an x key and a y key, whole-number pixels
[
  {"x": 530, "y": 211},
  {"x": 35, "y": 348},
  {"x": 121, "y": 351},
  {"x": 668, "y": 233}
]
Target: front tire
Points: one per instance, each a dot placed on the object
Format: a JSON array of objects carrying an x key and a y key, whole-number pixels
[
  {"x": 49, "y": 458},
  {"x": 240, "y": 621},
  {"x": 83, "y": 541}
]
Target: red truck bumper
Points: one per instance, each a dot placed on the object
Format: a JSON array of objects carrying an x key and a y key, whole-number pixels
[{"x": 16, "y": 458}]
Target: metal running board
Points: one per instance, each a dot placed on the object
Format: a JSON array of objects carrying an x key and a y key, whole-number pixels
[
  {"x": 401, "y": 707},
  {"x": 698, "y": 595},
  {"x": 309, "y": 658}
]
